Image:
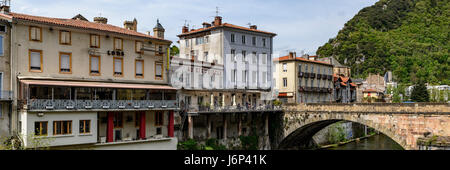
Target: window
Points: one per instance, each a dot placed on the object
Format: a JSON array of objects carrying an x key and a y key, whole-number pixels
[
  {"x": 118, "y": 120},
  {"x": 244, "y": 76},
  {"x": 244, "y": 56},
  {"x": 2, "y": 28},
  {"x": 65, "y": 63},
  {"x": 65, "y": 37},
  {"x": 254, "y": 76},
  {"x": 1, "y": 45},
  {"x": 205, "y": 56},
  {"x": 94, "y": 65},
  {"x": 40, "y": 128},
  {"x": 300, "y": 68},
  {"x": 62, "y": 127},
  {"x": 233, "y": 38},
  {"x": 254, "y": 41},
  {"x": 206, "y": 39},
  {"x": 95, "y": 41},
  {"x": 139, "y": 68},
  {"x": 264, "y": 77},
  {"x": 158, "y": 70},
  {"x": 243, "y": 39},
  {"x": 35, "y": 34},
  {"x": 35, "y": 60},
  {"x": 284, "y": 67},
  {"x": 284, "y": 82},
  {"x": 264, "y": 42},
  {"x": 233, "y": 75},
  {"x": 254, "y": 57},
  {"x": 118, "y": 44},
  {"x": 264, "y": 61},
  {"x": 138, "y": 46},
  {"x": 199, "y": 40},
  {"x": 159, "y": 119},
  {"x": 312, "y": 68},
  {"x": 233, "y": 55},
  {"x": 85, "y": 126},
  {"x": 118, "y": 66},
  {"x": 187, "y": 42},
  {"x": 137, "y": 119}
]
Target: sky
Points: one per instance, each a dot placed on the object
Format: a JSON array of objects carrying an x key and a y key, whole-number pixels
[{"x": 300, "y": 25}]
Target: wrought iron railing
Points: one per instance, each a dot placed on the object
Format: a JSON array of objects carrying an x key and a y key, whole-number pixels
[{"x": 44, "y": 104}]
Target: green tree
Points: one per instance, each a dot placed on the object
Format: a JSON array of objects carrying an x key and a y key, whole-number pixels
[{"x": 420, "y": 93}]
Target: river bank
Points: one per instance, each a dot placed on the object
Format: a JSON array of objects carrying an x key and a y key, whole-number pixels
[{"x": 370, "y": 142}]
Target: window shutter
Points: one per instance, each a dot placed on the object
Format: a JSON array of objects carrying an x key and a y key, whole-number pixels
[
  {"x": 65, "y": 61},
  {"x": 67, "y": 35},
  {"x": 35, "y": 60},
  {"x": 138, "y": 46},
  {"x": 33, "y": 33},
  {"x": 1, "y": 45},
  {"x": 139, "y": 67},
  {"x": 94, "y": 64},
  {"x": 117, "y": 65},
  {"x": 159, "y": 70}
]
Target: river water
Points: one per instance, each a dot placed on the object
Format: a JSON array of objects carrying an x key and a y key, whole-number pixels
[{"x": 377, "y": 142}]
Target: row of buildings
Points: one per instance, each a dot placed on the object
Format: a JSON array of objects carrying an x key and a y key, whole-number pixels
[{"x": 89, "y": 84}]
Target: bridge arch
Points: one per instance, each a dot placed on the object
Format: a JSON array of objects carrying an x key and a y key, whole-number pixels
[{"x": 302, "y": 136}]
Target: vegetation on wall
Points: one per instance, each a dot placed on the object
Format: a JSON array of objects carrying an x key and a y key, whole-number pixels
[{"x": 409, "y": 37}]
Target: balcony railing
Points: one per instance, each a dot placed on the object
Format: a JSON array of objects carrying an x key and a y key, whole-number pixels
[
  {"x": 222, "y": 109},
  {"x": 6, "y": 95},
  {"x": 44, "y": 104}
]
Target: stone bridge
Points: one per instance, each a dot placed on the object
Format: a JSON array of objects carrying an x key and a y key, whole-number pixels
[{"x": 404, "y": 123}]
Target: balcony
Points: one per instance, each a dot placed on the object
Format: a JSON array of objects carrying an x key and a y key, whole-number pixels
[
  {"x": 6, "y": 95},
  {"x": 306, "y": 75},
  {"x": 64, "y": 105},
  {"x": 319, "y": 76},
  {"x": 313, "y": 75},
  {"x": 300, "y": 74},
  {"x": 233, "y": 109}
]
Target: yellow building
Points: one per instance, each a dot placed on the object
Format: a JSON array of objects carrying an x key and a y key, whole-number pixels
[{"x": 303, "y": 80}]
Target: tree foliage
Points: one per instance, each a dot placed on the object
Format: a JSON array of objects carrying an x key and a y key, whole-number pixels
[
  {"x": 420, "y": 93},
  {"x": 408, "y": 37}
]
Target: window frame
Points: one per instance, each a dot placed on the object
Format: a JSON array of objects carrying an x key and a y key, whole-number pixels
[
  {"x": 162, "y": 70},
  {"x": 285, "y": 82},
  {"x": 40, "y": 128},
  {"x": 84, "y": 127},
  {"x": 136, "y": 46},
  {"x": 233, "y": 38},
  {"x": 159, "y": 118},
  {"x": 90, "y": 41},
  {"x": 29, "y": 61},
  {"x": 2, "y": 51},
  {"x": 70, "y": 128},
  {"x": 121, "y": 40},
  {"x": 118, "y": 115},
  {"x": 99, "y": 65},
  {"x": 60, "y": 37},
  {"x": 114, "y": 67},
  {"x": 29, "y": 33},
  {"x": 70, "y": 62},
  {"x": 135, "y": 68}
]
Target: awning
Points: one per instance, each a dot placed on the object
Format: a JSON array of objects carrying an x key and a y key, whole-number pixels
[
  {"x": 285, "y": 95},
  {"x": 96, "y": 84}
]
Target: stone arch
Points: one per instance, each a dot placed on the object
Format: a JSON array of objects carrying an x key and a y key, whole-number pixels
[{"x": 299, "y": 130}]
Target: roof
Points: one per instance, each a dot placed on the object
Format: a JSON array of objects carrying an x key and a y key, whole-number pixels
[
  {"x": 83, "y": 25},
  {"x": 343, "y": 84},
  {"x": 353, "y": 84},
  {"x": 286, "y": 58},
  {"x": 96, "y": 84},
  {"x": 225, "y": 25},
  {"x": 158, "y": 25}
]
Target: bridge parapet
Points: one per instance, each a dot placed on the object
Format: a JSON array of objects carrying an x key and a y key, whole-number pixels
[{"x": 403, "y": 108}]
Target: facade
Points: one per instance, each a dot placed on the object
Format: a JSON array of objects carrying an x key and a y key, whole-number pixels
[
  {"x": 90, "y": 84},
  {"x": 5, "y": 75},
  {"x": 344, "y": 89},
  {"x": 303, "y": 80},
  {"x": 338, "y": 68},
  {"x": 225, "y": 69}
]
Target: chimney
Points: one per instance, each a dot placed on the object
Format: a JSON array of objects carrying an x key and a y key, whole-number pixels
[
  {"x": 5, "y": 6},
  {"x": 130, "y": 25},
  {"x": 253, "y": 27},
  {"x": 185, "y": 29},
  {"x": 292, "y": 55},
  {"x": 101, "y": 20},
  {"x": 217, "y": 21}
]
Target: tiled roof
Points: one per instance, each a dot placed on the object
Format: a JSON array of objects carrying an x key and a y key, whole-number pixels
[
  {"x": 343, "y": 84},
  {"x": 227, "y": 25},
  {"x": 83, "y": 25},
  {"x": 286, "y": 58}
]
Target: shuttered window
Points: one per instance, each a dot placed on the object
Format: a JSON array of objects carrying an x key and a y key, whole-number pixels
[
  {"x": 65, "y": 37},
  {"x": 94, "y": 65},
  {"x": 118, "y": 66},
  {"x": 139, "y": 68},
  {"x": 65, "y": 62},
  {"x": 138, "y": 47},
  {"x": 35, "y": 60},
  {"x": 158, "y": 70},
  {"x": 118, "y": 44},
  {"x": 95, "y": 41},
  {"x": 35, "y": 34}
]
